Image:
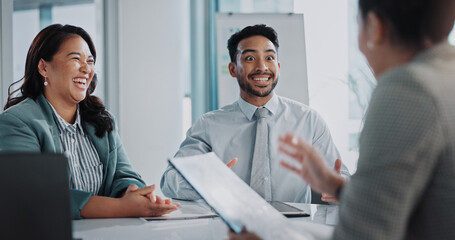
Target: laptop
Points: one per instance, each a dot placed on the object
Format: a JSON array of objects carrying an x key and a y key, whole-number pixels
[
  {"x": 233, "y": 200},
  {"x": 35, "y": 197}
]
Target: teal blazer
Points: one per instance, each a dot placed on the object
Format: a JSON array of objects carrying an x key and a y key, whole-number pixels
[{"x": 29, "y": 126}]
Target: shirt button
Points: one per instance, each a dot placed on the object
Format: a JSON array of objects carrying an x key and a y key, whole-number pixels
[{"x": 266, "y": 178}]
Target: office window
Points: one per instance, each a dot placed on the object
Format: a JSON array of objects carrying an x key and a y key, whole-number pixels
[
  {"x": 30, "y": 17},
  {"x": 256, "y": 6},
  {"x": 25, "y": 28},
  {"x": 340, "y": 81}
]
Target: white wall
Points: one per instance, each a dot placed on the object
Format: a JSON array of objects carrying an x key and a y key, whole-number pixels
[
  {"x": 153, "y": 65},
  {"x": 6, "y": 52},
  {"x": 293, "y": 82},
  {"x": 326, "y": 33}
]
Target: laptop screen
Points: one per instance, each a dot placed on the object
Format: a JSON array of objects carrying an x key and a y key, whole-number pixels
[{"x": 35, "y": 200}]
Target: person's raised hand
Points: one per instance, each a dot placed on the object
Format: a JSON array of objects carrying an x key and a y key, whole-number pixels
[
  {"x": 327, "y": 197},
  {"x": 311, "y": 166}
]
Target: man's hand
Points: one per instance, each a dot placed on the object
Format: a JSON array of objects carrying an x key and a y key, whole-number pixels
[
  {"x": 327, "y": 197},
  {"x": 312, "y": 168},
  {"x": 232, "y": 162}
]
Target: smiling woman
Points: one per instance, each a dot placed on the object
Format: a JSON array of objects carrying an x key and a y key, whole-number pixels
[
  {"x": 68, "y": 75},
  {"x": 55, "y": 112}
]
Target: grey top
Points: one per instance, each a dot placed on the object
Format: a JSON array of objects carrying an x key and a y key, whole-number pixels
[{"x": 405, "y": 180}]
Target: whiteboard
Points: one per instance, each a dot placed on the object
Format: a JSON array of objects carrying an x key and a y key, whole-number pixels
[{"x": 293, "y": 82}]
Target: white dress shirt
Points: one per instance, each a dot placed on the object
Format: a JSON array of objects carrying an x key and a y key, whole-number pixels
[{"x": 230, "y": 132}]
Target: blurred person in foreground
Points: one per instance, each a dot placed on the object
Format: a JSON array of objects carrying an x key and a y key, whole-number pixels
[{"x": 403, "y": 187}]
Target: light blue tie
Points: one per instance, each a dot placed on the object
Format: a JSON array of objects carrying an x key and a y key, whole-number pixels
[{"x": 260, "y": 150}]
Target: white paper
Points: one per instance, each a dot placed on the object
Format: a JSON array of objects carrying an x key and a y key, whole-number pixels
[
  {"x": 186, "y": 212},
  {"x": 233, "y": 199}
]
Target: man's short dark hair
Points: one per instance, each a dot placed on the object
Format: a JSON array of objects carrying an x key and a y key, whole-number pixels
[{"x": 256, "y": 30}]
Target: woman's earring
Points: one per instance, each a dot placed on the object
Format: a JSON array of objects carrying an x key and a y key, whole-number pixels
[
  {"x": 45, "y": 81},
  {"x": 370, "y": 45}
]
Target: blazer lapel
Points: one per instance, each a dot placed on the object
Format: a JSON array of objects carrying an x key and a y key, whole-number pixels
[
  {"x": 101, "y": 144},
  {"x": 49, "y": 116},
  {"x": 55, "y": 136},
  {"x": 102, "y": 148}
]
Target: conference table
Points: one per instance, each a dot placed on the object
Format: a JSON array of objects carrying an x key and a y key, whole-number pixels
[{"x": 195, "y": 220}]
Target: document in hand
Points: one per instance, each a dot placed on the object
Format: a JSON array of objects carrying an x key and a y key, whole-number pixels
[{"x": 234, "y": 201}]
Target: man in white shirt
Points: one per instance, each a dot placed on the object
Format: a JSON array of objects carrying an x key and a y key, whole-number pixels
[{"x": 231, "y": 132}]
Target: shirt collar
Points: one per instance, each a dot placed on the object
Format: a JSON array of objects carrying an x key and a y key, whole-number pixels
[
  {"x": 249, "y": 109},
  {"x": 64, "y": 125},
  {"x": 435, "y": 50}
]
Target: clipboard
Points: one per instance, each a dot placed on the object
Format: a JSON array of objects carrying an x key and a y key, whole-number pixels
[{"x": 232, "y": 199}]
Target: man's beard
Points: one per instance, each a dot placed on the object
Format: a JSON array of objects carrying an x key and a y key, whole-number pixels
[{"x": 248, "y": 89}]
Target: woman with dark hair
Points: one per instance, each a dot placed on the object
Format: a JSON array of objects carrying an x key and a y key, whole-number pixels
[
  {"x": 55, "y": 112},
  {"x": 405, "y": 180}
]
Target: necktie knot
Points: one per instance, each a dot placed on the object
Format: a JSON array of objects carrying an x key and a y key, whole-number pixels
[{"x": 261, "y": 112}]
